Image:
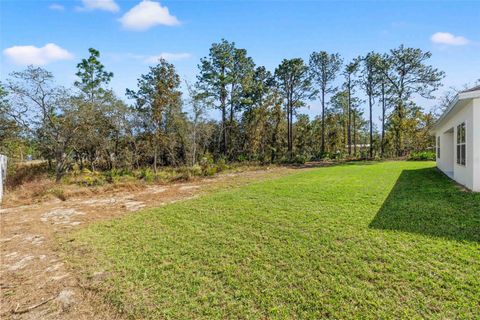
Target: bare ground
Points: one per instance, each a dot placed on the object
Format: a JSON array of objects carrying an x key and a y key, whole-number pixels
[{"x": 37, "y": 283}]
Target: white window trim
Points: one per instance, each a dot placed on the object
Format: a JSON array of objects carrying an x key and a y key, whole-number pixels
[
  {"x": 438, "y": 148},
  {"x": 459, "y": 144}
]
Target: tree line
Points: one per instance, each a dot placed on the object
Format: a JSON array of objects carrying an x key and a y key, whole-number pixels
[{"x": 167, "y": 122}]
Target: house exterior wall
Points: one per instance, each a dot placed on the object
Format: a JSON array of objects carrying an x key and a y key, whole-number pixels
[
  {"x": 446, "y": 160},
  {"x": 462, "y": 174},
  {"x": 476, "y": 144}
]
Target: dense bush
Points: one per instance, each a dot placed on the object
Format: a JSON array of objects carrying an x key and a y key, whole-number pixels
[
  {"x": 87, "y": 178},
  {"x": 298, "y": 159},
  {"x": 146, "y": 174},
  {"x": 207, "y": 165},
  {"x": 221, "y": 165},
  {"x": 422, "y": 156}
]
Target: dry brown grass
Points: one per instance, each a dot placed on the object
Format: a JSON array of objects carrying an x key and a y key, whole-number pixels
[
  {"x": 31, "y": 182},
  {"x": 25, "y": 172}
]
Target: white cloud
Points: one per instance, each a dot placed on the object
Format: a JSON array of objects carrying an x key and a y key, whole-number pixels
[
  {"x": 105, "y": 5},
  {"x": 168, "y": 56},
  {"x": 147, "y": 14},
  {"x": 56, "y": 7},
  {"x": 25, "y": 55},
  {"x": 449, "y": 39}
]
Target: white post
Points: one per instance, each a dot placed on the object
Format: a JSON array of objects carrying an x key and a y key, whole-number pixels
[{"x": 3, "y": 174}]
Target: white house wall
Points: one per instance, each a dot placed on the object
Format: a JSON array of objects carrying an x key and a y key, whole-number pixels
[
  {"x": 476, "y": 145},
  {"x": 462, "y": 174},
  {"x": 446, "y": 160}
]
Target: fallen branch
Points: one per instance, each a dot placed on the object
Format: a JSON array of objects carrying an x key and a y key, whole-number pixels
[{"x": 16, "y": 311}]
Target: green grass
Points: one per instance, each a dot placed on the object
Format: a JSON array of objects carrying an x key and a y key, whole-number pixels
[{"x": 384, "y": 240}]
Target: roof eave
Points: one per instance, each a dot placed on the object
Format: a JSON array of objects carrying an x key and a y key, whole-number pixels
[
  {"x": 460, "y": 96},
  {"x": 450, "y": 107}
]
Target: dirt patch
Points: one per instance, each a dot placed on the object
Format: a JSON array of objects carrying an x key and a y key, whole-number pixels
[
  {"x": 183, "y": 188},
  {"x": 61, "y": 216},
  {"x": 35, "y": 281},
  {"x": 22, "y": 263}
]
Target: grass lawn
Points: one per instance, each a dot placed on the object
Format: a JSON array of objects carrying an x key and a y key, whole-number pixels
[{"x": 382, "y": 240}]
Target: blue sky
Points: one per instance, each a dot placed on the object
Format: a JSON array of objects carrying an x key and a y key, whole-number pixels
[{"x": 130, "y": 34}]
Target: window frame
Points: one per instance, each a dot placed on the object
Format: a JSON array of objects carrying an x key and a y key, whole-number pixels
[
  {"x": 462, "y": 144},
  {"x": 438, "y": 147}
]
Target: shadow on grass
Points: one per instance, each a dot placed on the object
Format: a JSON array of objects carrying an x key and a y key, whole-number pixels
[{"x": 426, "y": 202}]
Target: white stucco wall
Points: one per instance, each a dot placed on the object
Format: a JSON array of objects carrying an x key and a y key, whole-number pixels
[
  {"x": 446, "y": 160},
  {"x": 448, "y": 144},
  {"x": 476, "y": 145}
]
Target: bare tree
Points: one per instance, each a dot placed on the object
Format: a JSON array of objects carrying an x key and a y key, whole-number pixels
[
  {"x": 370, "y": 80},
  {"x": 349, "y": 73},
  {"x": 324, "y": 68},
  {"x": 46, "y": 111},
  {"x": 197, "y": 117}
]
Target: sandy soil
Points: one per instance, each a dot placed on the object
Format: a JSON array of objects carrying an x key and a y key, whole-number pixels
[{"x": 35, "y": 280}]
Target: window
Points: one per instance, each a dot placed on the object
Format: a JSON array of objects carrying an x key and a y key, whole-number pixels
[
  {"x": 438, "y": 147},
  {"x": 461, "y": 145}
]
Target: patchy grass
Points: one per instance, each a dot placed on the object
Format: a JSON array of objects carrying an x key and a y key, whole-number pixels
[{"x": 383, "y": 240}]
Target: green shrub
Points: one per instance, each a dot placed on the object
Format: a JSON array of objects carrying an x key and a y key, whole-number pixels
[
  {"x": 327, "y": 156},
  {"x": 422, "y": 156},
  {"x": 196, "y": 170},
  {"x": 187, "y": 173},
  {"x": 111, "y": 176},
  {"x": 207, "y": 165},
  {"x": 221, "y": 165},
  {"x": 299, "y": 159},
  {"x": 118, "y": 175},
  {"x": 147, "y": 175},
  {"x": 242, "y": 158},
  {"x": 90, "y": 178}
]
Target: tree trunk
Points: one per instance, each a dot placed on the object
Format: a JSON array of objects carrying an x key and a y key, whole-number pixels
[
  {"x": 59, "y": 165},
  {"x": 223, "y": 106},
  {"x": 383, "y": 122},
  {"x": 58, "y": 172},
  {"x": 322, "y": 148},
  {"x": 224, "y": 131},
  {"x": 354, "y": 134},
  {"x": 398, "y": 129},
  {"x": 230, "y": 123},
  {"x": 92, "y": 160},
  {"x": 289, "y": 126},
  {"x": 349, "y": 126},
  {"x": 344, "y": 128},
  {"x": 371, "y": 126},
  {"x": 155, "y": 156},
  {"x": 291, "y": 131},
  {"x": 194, "y": 149},
  {"x": 274, "y": 138}
]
